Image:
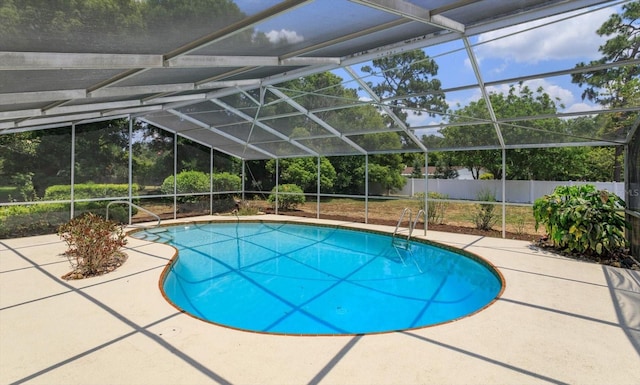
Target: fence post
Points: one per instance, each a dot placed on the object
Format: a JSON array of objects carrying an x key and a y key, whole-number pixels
[{"x": 530, "y": 190}]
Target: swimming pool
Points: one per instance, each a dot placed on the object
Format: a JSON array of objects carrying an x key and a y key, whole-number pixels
[{"x": 287, "y": 278}]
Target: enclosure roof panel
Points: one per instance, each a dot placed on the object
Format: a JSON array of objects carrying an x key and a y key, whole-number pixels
[{"x": 271, "y": 79}]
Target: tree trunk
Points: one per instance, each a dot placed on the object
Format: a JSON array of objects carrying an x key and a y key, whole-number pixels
[{"x": 617, "y": 164}]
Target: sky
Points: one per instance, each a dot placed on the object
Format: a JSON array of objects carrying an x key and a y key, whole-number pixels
[{"x": 551, "y": 44}]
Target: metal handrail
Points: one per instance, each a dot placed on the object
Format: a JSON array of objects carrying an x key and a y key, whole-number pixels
[
  {"x": 406, "y": 209},
  {"x": 137, "y": 207},
  {"x": 415, "y": 222}
]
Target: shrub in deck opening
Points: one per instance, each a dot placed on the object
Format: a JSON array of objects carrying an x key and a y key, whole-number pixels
[
  {"x": 582, "y": 219},
  {"x": 94, "y": 245}
]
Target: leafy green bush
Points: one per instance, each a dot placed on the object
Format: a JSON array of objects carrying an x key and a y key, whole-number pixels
[
  {"x": 118, "y": 213},
  {"x": 225, "y": 181},
  {"x": 26, "y": 220},
  {"x": 24, "y": 184},
  {"x": 93, "y": 244},
  {"x": 487, "y": 176},
  {"x": 485, "y": 215},
  {"x": 582, "y": 219},
  {"x": 436, "y": 209},
  {"x": 88, "y": 191},
  {"x": 187, "y": 182},
  {"x": 198, "y": 182},
  {"x": 289, "y": 196}
]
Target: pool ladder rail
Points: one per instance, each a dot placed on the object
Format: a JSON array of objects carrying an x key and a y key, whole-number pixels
[
  {"x": 412, "y": 225},
  {"x": 154, "y": 234},
  {"x": 402, "y": 245}
]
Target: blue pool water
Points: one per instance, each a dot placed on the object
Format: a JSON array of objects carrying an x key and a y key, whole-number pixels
[{"x": 297, "y": 279}]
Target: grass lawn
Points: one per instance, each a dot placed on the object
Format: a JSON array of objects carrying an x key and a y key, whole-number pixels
[{"x": 519, "y": 219}]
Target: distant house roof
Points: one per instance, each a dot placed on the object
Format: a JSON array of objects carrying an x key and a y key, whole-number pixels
[
  {"x": 463, "y": 172},
  {"x": 409, "y": 170}
]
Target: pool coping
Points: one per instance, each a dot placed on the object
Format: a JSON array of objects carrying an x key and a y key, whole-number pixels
[{"x": 558, "y": 321}]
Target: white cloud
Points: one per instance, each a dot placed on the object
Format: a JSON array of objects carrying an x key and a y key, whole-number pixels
[
  {"x": 415, "y": 120},
  {"x": 284, "y": 36},
  {"x": 583, "y": 107},
  {"x": 574, "y": 38},
  {"x": 557, "y": 93}
]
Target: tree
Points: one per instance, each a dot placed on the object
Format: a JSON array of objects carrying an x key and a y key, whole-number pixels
[
  {"x": 524, "y": 163},
  {"x": 445, "y": 166},
  {"x": 619, "y": 86},
  {"x": 100, "y": 154},
  {"x": 304, "y": 172},
  {"x": 416, "y": 172},
  {"x": 113, "y": 24},
  {"x": 408, "y": 80},
  {"x": 325, "y": 93}
]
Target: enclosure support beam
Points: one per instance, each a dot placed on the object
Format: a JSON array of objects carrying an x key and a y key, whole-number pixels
[
  {"x": 426, "y": 192},
  {"x": 211, "y": 181},
  {"x": 410, "y": 11},
  {"x": 244, "y": 187},
  {"x": 316, "y": 119},
  {"x": 175, "y": 175},
  {"x": 504, "y": 193},
  {"x": 386, "y": 108},
  {"x": 130, "y": 168},
  {"x": 255, "y": 122},
  {"x": 483, "y": 89},
  {"x": 277, "y": 183},
  {"x": 366, "y": 188},
  {"x": 73, "y": 169},
  {"x": 318, "y": 191},
  {"x": 632, "y": 187}
]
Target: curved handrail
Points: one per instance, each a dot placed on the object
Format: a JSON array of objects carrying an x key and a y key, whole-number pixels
[
  {"x": 415, "y": 222},
  {"x": 406, "y": 209},
  {"x": 137, "y": 207}
]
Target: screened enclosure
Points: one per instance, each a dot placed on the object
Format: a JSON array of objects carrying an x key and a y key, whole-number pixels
[{"x": 137, "y": 100}]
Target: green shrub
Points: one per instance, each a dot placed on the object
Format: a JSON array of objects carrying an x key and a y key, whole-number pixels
[
  {"x": 24, "y": 185},
  {"x": 198, "y": 182},
  {"x": 88, "y": 191},
  {"x": 93, "y": 243},
  {"x": 485, "y": 215},
  {"x": 225, "y": 181},
  {"x": 487, "y": 176},
  {"x": 582, "y": 219},
  {"x": 436, "y": 209},
  {"x": 119, "y": 213},
  {"x": 289, "y": 196},
  {"x": 187, "y": 182},
  {"x": 26, "y": 220}
]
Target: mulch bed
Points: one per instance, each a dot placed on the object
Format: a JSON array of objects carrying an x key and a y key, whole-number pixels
[{"x": 112, "y": 263}]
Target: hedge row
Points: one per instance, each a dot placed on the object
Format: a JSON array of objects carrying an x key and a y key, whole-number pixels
[
  {"x": 88, "y": 191},
  {"x": 44, "y": 218}
]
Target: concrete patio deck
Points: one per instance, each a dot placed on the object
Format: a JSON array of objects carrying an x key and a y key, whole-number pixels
[{"x": 558, "y": 321}]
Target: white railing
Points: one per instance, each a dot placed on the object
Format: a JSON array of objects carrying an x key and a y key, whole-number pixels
[{"x": 137, "y": 207}]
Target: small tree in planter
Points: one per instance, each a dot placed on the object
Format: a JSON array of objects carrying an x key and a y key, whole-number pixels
[
  {"x": 94, "y": 245},
  {"x": 582, "y": 219}
]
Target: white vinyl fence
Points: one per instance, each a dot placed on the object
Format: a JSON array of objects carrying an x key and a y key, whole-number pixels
[{"x": 517, "y": 191}]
